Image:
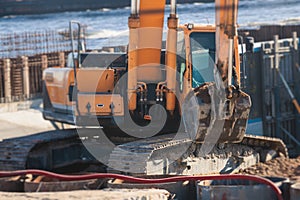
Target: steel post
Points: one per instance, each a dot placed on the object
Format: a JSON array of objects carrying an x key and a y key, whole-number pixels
[
  {"x": 296, "y": 74},
  {"x": 276, "y": 89},
  {"x": 7, "y": 80},
  {"x": 44, "y": 62},
  {"x": 26, "y": 86}
]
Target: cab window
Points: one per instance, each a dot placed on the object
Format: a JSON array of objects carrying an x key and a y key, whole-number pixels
[{"x": 203, "y": 57}]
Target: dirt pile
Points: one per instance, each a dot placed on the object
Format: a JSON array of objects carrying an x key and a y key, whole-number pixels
[{"x": 279, "y": 167}]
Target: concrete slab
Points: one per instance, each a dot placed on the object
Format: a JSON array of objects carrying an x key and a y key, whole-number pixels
[{"x": 106, "y": 194}]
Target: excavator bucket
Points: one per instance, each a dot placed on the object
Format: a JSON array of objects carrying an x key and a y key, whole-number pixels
[{"x": 210, "y": 117}]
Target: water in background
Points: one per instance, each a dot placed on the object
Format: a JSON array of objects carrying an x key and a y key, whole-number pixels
[{"x": 107, "y": 27}]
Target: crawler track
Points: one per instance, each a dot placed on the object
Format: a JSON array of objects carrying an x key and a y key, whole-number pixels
[
  {"x": 168, "y": 155},
  {"x": 165, "y": 154},
  {"x": 16, "y": 152}
]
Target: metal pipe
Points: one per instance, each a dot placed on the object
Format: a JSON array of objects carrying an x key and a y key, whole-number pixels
[
  {"x": 72, "y": 47},
  {"x": 159, "y": 84},
  {"x": 133, "y": 7},
  {"x": 159, "y": 90},
  {"x": 78, "y": 45},
  {"x": 230, "y": 55},
  {"x": 162, "y": 92},
  {"x": 290, "y": 135},
  {"x": 286, "y": 84},
  {"x": 243, "y": 62},
  {"x": 295, "y": 41},
  {"x": 138, "y": 7},
  {"x": 171, "y": 56},
  {"x": 73, "y": 58},
  {"x": 133, "y": 24},
  {"x": 143, "y": 84},
  {"x": 141, "y": 90},
  {"x": 237, "y": 62},
  {"x": 173, "y": 7},
  {"x": 294, "y": 100}
]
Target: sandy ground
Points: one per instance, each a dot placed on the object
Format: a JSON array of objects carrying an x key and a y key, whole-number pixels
[{"x": 278, "y": 167}]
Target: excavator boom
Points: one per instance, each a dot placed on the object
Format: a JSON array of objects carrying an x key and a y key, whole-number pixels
[{"x": 145, "y": 42}]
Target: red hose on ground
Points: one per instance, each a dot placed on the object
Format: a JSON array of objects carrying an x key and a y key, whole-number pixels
[{"x": 63, "y": 177}]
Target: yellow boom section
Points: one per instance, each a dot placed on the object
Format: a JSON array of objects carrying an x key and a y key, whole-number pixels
[
  {"x": 150, "y": 33},
  {"x": 145, "y": 40}
]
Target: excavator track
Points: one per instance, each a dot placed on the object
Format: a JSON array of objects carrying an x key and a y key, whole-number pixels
[
  {"x": 160, "y": 155},
  {"x": 134, "y": 157},
  {"x": 17, "y": 152},
  {"x": 166, "y": 155},
  {"x": 266, "y": 143}
]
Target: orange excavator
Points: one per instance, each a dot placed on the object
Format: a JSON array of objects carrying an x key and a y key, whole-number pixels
[
  {"x": 155, "y": 76},
  {"x": 181, "y": 108}
]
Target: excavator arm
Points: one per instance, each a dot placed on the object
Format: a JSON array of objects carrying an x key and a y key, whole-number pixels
[
  {"x": 227, "y": 40},
  {"x": 223, "y": 108}
]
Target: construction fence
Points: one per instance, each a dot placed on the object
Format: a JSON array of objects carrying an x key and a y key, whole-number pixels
[
  {"x": 13, "y": 45},
  {"x": 23, "y": 57},
  {"x": 21, "y": 77},
  {"x": 273, "y": 82}
]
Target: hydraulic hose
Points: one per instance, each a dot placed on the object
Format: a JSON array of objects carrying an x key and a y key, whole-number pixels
[{"x": 131, "y": 179}]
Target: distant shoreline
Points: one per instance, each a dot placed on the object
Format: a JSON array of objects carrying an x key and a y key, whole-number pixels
[{"x": 23, "y": 7}]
